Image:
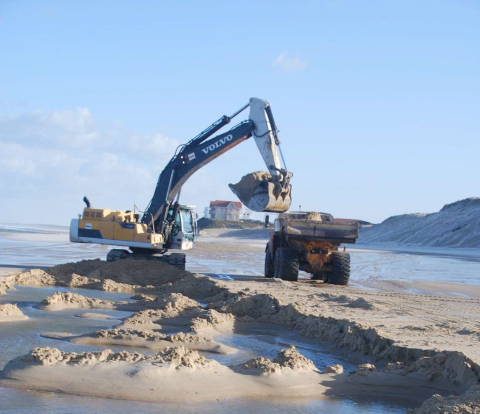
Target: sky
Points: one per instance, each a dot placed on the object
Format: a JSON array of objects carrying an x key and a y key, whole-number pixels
[{"x": 377, "y": 102}]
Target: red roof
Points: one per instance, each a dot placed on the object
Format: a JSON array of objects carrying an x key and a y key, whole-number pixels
[{"x": 221, "y": 203}]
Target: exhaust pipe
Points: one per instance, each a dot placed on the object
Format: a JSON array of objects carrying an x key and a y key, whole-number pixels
[{"x": 86, "y": 201}]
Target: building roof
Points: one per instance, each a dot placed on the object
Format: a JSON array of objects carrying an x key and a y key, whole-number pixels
[{"x": 222, "y": 203}]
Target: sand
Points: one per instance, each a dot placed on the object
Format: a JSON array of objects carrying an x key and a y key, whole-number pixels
[
  {"x": 246, "y": 187},
  {"x": 456, "y": 224},
  {"x": 172, "y": 375},
  {"x": 123, "y": 276},
  {"x": 148, "y": 339},
  {"x": 468, "y": 403},
  {"x": 430, "y": 342},
  {"x": 69, "y": 300},
  {"x": 10, "y": 313},
  {"x": 179, "y": 374}
]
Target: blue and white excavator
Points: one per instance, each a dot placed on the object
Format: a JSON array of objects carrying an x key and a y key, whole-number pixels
[{"x": 165, "y": 224}]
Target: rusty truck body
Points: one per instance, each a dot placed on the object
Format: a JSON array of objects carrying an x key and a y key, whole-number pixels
[{"x": 309, "y": 241}]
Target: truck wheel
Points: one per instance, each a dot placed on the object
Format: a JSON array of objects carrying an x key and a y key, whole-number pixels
[
  {"x": 286, "y": 264},
  {"x": 340, "y": 269},
  {"x": 269, "y": 272}
]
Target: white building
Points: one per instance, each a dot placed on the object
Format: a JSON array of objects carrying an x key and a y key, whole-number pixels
[{"x": 225, "y": 210}]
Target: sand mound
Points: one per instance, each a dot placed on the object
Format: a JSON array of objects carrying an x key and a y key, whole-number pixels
[
  {"x": 180, "y": 357},
  {"x": 122, "y": 276},
  {"x": 467, "y": 403},
  {"x": 291, "y": 359},
  {"x": 11, "y": 312},
  {"x": 456, "y": 224},
  {"x": 334, "y": 369},
  {"x": 174, "y": 304},
  {"x": 360, "y": 303},
  {"x": 63, "y": 300},
  {"x": 144, "y": 318},
  {"x": 193, "y": 286},
  {"x": 149, "y": 339},
  {"x": 286, "y": 360},
  {"x": 142, "y": 273},
  {"x": 212, "y": 319},
  {"x": 451, "y": 366},
  {"x": 34, "y": 277},
  {"x": 128, "y": 334},
  {"x": 245, "y": 188},
  {"x": 109, "y": 285}
]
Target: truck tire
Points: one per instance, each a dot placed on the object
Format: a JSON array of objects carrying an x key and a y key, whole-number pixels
[
  {"x": 269, "y": 269},
  {"x": 340, "y": 269},
  {"x": 286, "y": 264}
]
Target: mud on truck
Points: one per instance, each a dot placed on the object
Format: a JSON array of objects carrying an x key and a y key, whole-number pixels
[{"x": 309, "y": 241}]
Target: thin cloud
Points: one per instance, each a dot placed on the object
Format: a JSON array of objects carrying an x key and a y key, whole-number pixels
[{"x": 288, "y": 64}]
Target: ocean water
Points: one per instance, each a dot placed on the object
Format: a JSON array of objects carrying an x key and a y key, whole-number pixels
[{"x": 39, "y": 245}]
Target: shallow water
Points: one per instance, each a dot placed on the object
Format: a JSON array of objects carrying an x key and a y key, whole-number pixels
[
  {"x": 17, "y": 338},
  {"x": 394, "y": 263}
]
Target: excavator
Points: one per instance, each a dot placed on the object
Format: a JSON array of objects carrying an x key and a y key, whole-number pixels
[{"x": 166, "y": 224}]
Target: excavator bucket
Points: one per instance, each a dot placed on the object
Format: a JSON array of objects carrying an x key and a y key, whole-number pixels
[{"x": 260, "y": 192}]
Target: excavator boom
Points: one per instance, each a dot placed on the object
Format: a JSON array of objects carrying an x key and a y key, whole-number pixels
[{"x": 264, "y": 193}]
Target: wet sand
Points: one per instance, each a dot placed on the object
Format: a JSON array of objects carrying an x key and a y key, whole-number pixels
[{"x": 420, "y": 330}]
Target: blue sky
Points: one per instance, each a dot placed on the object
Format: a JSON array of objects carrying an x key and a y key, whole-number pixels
[{"x": 377, "y": 102}]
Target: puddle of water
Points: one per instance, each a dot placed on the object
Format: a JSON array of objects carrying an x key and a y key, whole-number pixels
[{"x": 19, "y": 337}]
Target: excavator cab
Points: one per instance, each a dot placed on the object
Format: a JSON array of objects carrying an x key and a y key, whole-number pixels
[{"x": 184, "y": 230}]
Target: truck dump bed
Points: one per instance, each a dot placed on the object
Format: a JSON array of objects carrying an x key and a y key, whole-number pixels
[{"x": 316, "y": 226}]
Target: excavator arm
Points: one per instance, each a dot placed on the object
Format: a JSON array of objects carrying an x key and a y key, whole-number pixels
[{"x": 269, "y": 194}]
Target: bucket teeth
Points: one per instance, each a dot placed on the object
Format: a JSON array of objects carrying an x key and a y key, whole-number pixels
[{"x": 263, "y": 195}]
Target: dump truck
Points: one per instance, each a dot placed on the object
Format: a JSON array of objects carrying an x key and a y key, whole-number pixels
[{"x": 309, "y": 241}]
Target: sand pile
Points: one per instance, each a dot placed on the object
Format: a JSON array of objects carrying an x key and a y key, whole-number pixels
[
  {"x": 334, "y": 369},
  {"x": 246, "y": 187},
  {"x": 143, "y": 338},
  {"x": 451, "y": 366},
  {"x": 174, "y": 307},
  {"x": 5, "y": 285},
  {"x": 11, "y": 312},
  {"x": 173, "y": 304},
  {"x": 287, "y": 359},
  {"x": 122, "y": 276},
  {"x": 64, "y": 300},
  {"x": 467, "y": 403},
  {"x": 177, "y": 309},
  {"x": 211, "y": 319},
  {"x": 142, "y": 273},
  {"x": 173, "y": 374},
  {"x": 193, "y": 286},
  {"x": 178, "y": 357},
  {"x": 456, "y": 224},
  {"x": 146, "y": 319}
]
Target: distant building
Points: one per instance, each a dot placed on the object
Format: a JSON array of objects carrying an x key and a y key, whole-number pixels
[
  {"x": 247, "y": 214},
  {"x": 206, "y": 213},
  {"x": 225, "y": 210}
]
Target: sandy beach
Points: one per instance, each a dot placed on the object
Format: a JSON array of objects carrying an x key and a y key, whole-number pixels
[{"x": 393, "y": 342}]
